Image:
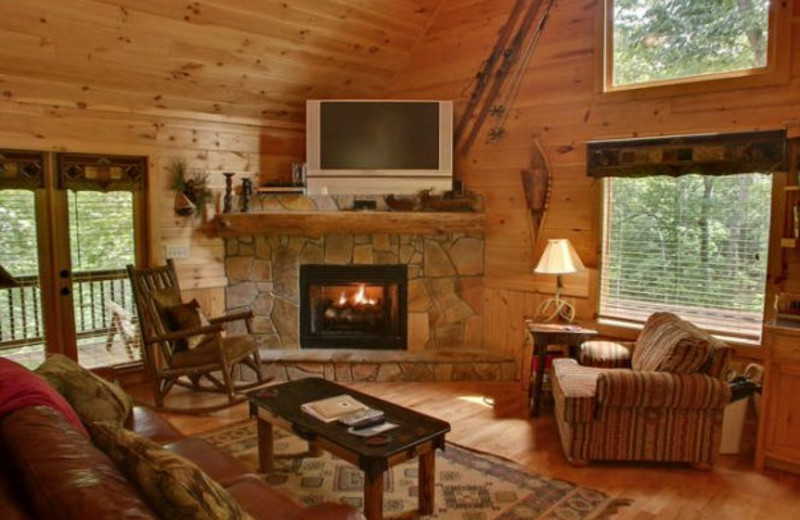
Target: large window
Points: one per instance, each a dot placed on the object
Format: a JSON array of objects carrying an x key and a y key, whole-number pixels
[
  {"x": 657, "y": 41},
  {"x": 694, "y": 245}
]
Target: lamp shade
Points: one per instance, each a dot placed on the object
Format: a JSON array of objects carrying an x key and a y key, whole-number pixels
[
  {"x": 559, "y": 257},
  {"x": 6, "y": 280}
]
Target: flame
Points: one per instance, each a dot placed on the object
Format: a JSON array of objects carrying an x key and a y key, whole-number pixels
[{"x": 359, "y": 298}]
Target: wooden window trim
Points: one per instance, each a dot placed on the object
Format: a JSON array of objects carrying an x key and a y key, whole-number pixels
[{"x": 776, "y": 72}]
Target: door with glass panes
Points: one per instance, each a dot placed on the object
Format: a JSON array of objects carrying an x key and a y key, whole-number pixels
[{"x": 68, "y": 231}]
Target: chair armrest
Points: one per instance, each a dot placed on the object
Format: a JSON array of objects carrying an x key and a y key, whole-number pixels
[
  {"x": 649, "y": 389},
  {"x": 327, "y": 511},
  {"x": 243, "y": 315},
  {"x": 183, "y": 334}
]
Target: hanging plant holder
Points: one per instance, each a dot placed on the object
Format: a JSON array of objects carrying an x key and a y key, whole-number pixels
[
  {"x": 191, "y": 193},
  {"x": 183, "y": 205}
]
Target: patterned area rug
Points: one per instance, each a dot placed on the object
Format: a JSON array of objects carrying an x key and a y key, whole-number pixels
[{"x": 469, "y": 485}]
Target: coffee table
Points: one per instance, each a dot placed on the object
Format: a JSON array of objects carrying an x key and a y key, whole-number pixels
[{"x": 418, "y": 436}]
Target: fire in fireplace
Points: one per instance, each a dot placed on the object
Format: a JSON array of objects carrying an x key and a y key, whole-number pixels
[{"x": 353, "y": 306}]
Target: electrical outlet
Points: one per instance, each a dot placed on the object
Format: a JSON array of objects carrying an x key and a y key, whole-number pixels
[{"x": 177, "y": 251}]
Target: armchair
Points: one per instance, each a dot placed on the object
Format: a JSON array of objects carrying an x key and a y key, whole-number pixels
[
  {"x": 667, "y": 407},
  {"x": 179, "y": 343}
]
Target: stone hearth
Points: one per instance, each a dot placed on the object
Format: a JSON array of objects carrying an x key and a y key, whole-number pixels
[{"x": 388, "y": 366}]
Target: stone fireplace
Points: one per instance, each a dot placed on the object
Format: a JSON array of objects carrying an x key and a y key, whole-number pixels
[
  {"x": 353, "y": 306},
  {"x": 442, "y": 255},
  {"x": 445, "y": 282}
]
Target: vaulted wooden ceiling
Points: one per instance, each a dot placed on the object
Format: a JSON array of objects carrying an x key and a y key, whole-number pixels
[{"x": 239, "y": 59}]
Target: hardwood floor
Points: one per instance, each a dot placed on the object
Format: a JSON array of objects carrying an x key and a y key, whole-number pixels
[{"x": 492, "y": 417}]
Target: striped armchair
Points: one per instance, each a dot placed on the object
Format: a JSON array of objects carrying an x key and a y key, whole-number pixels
[{"x": 667, "y": 407}]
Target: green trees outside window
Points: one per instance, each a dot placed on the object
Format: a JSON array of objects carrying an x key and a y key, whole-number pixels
[
  {"x": 658, "y": 40},
  {"x": 695, "y": 245},
  {"x": 101, "y": 230}
]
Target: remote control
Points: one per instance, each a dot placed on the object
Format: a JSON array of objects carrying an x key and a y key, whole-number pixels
[
  {"x": 364, "y": 417},
  {"x": 367, "y": 423}
]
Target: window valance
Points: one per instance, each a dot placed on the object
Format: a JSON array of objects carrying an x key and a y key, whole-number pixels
[
  {"x": 709, "y": 154},
  {"x": 81, "y": 172},
  {"x": 21, "y": 170}
]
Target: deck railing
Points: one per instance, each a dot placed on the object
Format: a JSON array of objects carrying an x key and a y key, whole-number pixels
[{"x": 21, "y": 307}]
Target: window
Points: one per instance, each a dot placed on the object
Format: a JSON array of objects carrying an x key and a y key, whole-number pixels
[
  {"x": 695, "y": 245},
  {"x": 652, "y": 42},
  {"x": 22, "y": 333}
]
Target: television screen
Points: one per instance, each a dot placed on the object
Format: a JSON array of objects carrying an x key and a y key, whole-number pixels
[
  {"x": 375, "y": 147},
  {"x": 379, "y": 136}
]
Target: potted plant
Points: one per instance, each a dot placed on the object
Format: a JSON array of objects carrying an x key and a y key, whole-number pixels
[{"x": 191, "y": 190}]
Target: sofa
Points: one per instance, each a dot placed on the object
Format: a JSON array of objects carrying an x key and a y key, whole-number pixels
[
  {"x": 54, "y": 467},
  {"x": 666, "y": 407}
]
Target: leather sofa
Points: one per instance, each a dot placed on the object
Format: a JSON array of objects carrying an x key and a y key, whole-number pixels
[{"x": 48, "y": 469}]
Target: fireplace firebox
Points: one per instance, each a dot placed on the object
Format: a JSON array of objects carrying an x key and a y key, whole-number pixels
[{"x": 353, "y": 306}]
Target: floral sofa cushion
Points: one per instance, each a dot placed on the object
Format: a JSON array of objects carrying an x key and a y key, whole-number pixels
[
  {"x": 175, "y": 487},
  {"x": 92, "y": 397}
]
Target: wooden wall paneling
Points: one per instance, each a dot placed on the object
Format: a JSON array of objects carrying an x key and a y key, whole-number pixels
[
  {"x": 222, "y": 84},
  {"x": 212, "y": 301},
  {"x": 558, "y": 104},
  {"x": 504, "y": 332},
  {"x": 212, "y": 147},
  {"x": 228, "y": 58}
]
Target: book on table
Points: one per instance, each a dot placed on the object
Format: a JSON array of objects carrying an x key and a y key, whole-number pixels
[{"x": 333, "y": 408}]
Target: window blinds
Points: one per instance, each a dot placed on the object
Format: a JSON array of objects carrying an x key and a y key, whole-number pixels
[{"x": 694, "y": 245}]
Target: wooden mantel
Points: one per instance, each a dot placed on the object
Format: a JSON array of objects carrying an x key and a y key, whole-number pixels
[{"x": 319, "y": 223}]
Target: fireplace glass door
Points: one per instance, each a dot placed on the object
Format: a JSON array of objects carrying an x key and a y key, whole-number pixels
[{"x": 353, "y": 306}]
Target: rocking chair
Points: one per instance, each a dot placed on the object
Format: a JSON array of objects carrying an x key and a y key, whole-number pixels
[{"x": 179, "y": 342}]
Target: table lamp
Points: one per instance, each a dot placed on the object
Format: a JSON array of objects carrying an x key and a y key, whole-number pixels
[
  {"x": 6, "y": 280},
  {"x": 559, "y": 258}
]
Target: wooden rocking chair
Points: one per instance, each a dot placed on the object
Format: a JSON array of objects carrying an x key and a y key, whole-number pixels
[{"x": 178, "y": 342}]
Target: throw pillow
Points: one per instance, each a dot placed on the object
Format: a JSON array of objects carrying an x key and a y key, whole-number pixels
[
  {"x": 174, "y": 486},
  {"x": 94, "y": 398},
  {"x": 19, "y": 388},
  {"x": 165, "y": 299},
  {"x": 187, "y": 316},
  {"x": 670, "y": 344}
]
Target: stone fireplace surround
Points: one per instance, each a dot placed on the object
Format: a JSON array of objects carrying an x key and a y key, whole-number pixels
[{"x": 445, "y": 300}]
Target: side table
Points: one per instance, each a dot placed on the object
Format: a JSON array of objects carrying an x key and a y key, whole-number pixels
[{"x": 542, "y": 335}]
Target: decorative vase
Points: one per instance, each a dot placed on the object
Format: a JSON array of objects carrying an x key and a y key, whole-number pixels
[
  {"x": 227, "y": 204},
  {"x": 247, "y": 191}
]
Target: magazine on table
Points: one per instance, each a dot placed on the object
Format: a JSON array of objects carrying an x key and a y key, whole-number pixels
[{"x": 333, "y": 408}]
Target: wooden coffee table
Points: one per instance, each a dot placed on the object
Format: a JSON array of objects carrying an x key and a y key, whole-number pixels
[{"x": 418, "y": 436}]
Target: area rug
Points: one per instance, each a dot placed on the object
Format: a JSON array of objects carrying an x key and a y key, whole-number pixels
[{"x": 469, "y": 485}]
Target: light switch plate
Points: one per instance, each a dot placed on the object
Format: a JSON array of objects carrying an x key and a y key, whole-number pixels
[{"x": 177, "y": 251}]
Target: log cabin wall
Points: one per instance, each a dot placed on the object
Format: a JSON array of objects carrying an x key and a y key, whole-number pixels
[
  {"x": 559, "y": 104},
  {"x": 222, "y": 85}
]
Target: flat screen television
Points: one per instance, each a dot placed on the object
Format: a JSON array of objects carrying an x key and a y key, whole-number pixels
[{"x": 378, "y": 147}]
